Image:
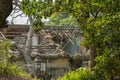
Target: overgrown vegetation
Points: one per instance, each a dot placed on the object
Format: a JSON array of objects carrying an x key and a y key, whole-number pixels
[
  {"x": 99, "y": 20},
  {"x": 100, "y": 23},
  {"x": 62, "y": 19},
  {"x": 6, "y": 67},
  {"x": 80, "y": 74}
]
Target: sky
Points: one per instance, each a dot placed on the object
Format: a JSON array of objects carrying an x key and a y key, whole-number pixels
[
  {"x": 17, "y": 20},
  {"x": 12, "y": 19}
]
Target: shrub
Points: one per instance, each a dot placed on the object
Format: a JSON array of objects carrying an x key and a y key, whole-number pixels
[
  {"x": 80, "y": 74},
  {"x": 6, "y": 67}
]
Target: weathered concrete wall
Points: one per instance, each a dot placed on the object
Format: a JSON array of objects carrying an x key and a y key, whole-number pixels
[
  {"x": 57, "y": 67},
  {"x": 58, "y": 62}
]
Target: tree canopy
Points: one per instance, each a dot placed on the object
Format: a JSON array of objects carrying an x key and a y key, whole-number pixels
[
  {"x": 99, "y": 20},
  {"x": 37, "y": 9}
]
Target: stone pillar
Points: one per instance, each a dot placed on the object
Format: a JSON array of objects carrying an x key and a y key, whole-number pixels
[{"x": 35, "y": 44}]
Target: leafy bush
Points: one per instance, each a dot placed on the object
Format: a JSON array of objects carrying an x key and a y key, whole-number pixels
[
  {"x": 108, "y": 65},
  {"x": 6, "y": 67},
  {"x": 80, "y": 74}
]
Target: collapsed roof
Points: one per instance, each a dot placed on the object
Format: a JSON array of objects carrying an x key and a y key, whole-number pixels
[{"x": 53, "y": 40}]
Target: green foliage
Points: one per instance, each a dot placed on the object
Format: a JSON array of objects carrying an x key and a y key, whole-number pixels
[
  {"x": 99, "y": 20},
  {"x": 7, "y": 68},
  {"x": 80, "y": 74},
  {"x": 5, "y": 53},
  {"x": 62, "y": 19},
  {"x": 108, "y": 64},
  {"x": 37, "y": 9}
]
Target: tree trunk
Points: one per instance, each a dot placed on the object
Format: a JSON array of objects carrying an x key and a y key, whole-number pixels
[
  {"x": 5, "y": 10},
  {"x": 27, "y": 50},
  {"x": 92, "y": 49},
  {"x": 92, "y": 57}
]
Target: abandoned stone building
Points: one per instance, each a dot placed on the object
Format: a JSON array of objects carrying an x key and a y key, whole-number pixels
[{"x": 52, "y": 48}]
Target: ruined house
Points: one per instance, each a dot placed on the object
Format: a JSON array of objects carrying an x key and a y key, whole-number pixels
[{"x": 52, "y": 48}]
